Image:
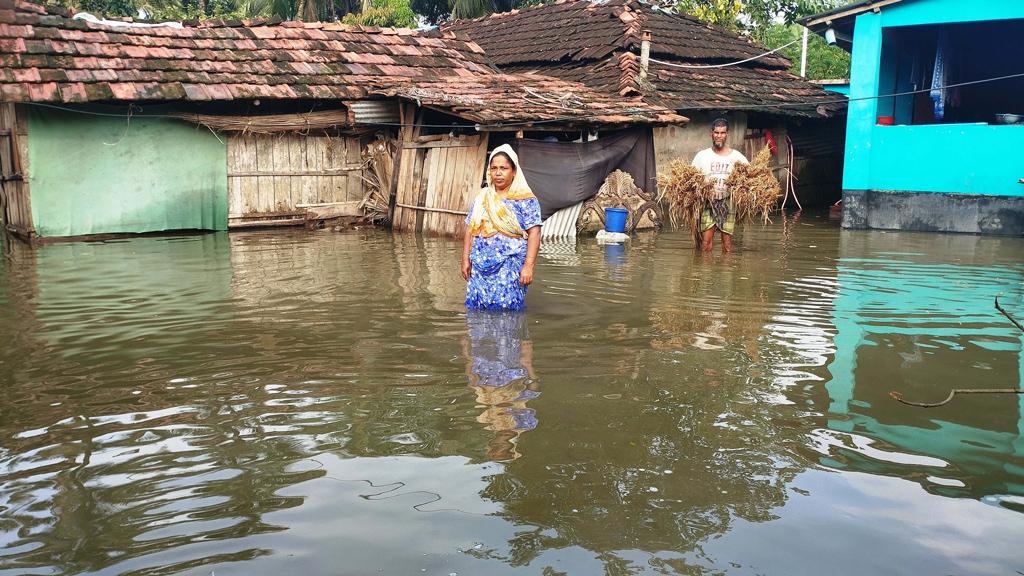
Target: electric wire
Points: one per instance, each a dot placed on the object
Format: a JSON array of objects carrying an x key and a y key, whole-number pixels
[{"x": 859, "y": 98}]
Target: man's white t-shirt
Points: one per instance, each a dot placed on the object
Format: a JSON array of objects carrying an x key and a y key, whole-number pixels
[{"x": 718, "y": 167}]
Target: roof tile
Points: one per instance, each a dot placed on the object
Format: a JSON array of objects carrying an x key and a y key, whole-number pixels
[
  {"x": 73, "y": 93},
  {"x": 48, "y": 92},
  {"x": 26, "y": 75},
  {"x": 77, "y": 61},
  {"x": 595, "y": 43}
]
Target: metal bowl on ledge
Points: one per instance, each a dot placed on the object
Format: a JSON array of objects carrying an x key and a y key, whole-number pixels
[{"x": 1009, "y": 118}]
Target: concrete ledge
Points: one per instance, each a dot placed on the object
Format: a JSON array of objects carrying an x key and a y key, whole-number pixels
[{"x": 933, "y": 212}]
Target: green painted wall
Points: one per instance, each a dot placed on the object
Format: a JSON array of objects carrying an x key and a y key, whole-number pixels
[
  {"x": 953, "y": 158},
  {"x": 93, "y": 175}
]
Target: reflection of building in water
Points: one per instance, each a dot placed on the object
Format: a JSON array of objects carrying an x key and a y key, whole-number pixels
[
  {"x": 97, "y": 302},
  {"x": 120, "y": 419},
  {"x": 271, "y": 270},
  {"x": 724, "y": 302},
  {"x": 500, "y": 365},
  {"x": 560, "y": 251},
  {"x": 906, "y": 324},
  {"x": 428, "y": 273}
]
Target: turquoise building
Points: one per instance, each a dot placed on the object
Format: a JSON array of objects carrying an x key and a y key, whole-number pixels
[
  {"x": 839, "y": 86},
  {"x": 931, "y": 141}
]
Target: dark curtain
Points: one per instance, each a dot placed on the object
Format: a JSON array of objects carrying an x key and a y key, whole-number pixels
[{"x": 564, "y": 173}]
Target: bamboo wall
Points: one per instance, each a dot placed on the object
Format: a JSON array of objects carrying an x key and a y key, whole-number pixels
[
  {"x": 14, "y": 191},
  {"x": 437, "y": 178},
  {"x": 273, "y": 178}
]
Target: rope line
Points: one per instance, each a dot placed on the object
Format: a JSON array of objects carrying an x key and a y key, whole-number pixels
[{"x": 737, "y": 63}]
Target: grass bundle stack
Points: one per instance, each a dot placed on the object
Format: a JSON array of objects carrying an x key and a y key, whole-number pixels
[
  {"x": 754, "y": 189},
  {"x": 379, "y": 158},
  {"x": 686, "y": 190}
]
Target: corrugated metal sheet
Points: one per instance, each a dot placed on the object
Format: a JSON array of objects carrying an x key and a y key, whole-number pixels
[
  {"x": 562, "y": 224},
  {"x": 374, "y": 111},
  {"x": 561, "y": 251}
]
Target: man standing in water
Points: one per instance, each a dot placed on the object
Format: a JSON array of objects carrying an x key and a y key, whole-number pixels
[{"x": 716, "y": 163}]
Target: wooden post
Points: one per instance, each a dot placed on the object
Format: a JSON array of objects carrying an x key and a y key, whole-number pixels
[{"x": 406, "y": 115}]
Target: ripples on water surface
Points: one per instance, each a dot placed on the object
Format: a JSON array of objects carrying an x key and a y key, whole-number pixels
[{"x": 268, "y": 403}]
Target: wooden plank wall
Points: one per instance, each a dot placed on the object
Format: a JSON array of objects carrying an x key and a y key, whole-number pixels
[
  {"x": 14, "y": 191},
  {"x": 437, "y": 178},
  {"x": 272, "y": 177}
]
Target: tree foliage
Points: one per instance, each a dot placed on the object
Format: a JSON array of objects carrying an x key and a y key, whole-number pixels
[
  {"x": 823, "y": 61},
  {"x": 735, "y": 14},
  {"x": 395, "y": 13},
  {"x": 771, "y": 22},
  {"x": 437, "y": 11},
  {"x": 324, "y": 10},
  {"x": 724, "y": 13},
  {"x": 433, "y": 11}
]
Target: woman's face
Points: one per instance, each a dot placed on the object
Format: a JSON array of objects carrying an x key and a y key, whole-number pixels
[{"x": 502, "y": 172}]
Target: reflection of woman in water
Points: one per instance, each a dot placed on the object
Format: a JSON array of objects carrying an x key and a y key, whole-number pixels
[{"x": 500, "y": 367}]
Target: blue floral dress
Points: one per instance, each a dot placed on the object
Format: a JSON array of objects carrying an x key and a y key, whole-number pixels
[{"x": 497, "y": 261}]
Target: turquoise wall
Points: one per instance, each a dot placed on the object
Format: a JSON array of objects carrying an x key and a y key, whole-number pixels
[
  {"x": 916, "y": 12},
  {"x": 93, "y": 174},
  {"x": 955, "y": 158},
  {"x": 843, "y": 89}
]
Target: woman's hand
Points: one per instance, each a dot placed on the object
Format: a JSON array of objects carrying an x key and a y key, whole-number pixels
[
  {"x": 532, "y": 248},
  {"x": 467, "y": 249},
  {"x": 526, "y": 274}
]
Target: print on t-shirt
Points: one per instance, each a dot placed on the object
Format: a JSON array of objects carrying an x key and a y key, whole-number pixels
[{"x": 717, "y": 168}]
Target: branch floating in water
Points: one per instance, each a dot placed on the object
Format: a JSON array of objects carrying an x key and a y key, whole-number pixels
[
  {"x": 1007, "y": 314},
  {"x": 899, "y": 397}
]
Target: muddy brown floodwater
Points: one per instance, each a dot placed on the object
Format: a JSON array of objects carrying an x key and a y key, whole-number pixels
[{"x": 321, "y": 403}]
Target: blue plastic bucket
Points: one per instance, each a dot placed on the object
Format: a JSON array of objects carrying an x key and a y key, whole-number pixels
[
  {"x": 615, "y": 254},
  {"x": 615, "y": 219}
]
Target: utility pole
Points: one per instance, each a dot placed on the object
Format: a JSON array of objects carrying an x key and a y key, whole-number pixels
[{"x": 803, "y": 56}]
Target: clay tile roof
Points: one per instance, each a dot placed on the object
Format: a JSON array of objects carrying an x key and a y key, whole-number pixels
[
  {"x": 597, "y": 43},
  {"x": 581, "y": 29},
  {"x": 48, "y": 56},
  {"x": 526, "y": 98},
  {"x": 42, "y": 46}
]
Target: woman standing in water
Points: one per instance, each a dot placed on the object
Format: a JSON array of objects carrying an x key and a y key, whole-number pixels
[{"x": 502, "y": 237}]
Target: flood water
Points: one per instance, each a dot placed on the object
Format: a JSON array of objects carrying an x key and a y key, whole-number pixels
[{"x": 321, "y": 403}]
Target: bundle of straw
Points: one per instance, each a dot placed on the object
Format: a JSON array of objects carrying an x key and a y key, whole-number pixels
[
  {"x": 754, "y": 189},
  {"x": 686, "y": 191},
  {"x": 379, "y": 159}
]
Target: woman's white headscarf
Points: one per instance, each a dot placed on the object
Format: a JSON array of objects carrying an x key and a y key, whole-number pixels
[{"x": 490, "y": 216}]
